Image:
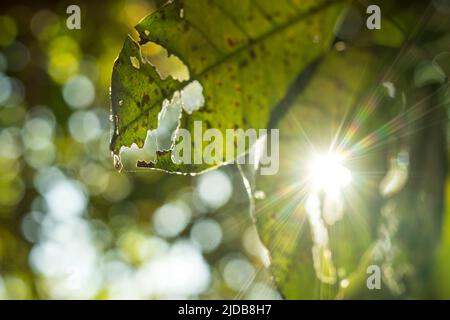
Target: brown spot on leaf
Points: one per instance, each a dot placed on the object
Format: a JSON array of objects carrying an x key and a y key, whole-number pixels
[
  {"x": 230, "y": 42},
  {"x": 243, "y": 63},
  {"x": 162, "y": 153},
  {"x": 144, "y": 164},
  {"x": 145, "y": 99}
]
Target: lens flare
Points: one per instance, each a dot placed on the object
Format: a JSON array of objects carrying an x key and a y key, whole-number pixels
[{"x": 328, "y": 174}]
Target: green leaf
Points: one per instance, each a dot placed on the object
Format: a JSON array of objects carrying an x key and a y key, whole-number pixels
[
  {"x": 302, "y": 266},
  {"x": 364, "y": 102},
  {"x": 244, "y": 54}
]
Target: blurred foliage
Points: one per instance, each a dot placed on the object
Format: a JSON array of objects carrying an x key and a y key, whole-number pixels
[
  {"x": 380, "y": 100},
  {"x": 71, "y": 226}
]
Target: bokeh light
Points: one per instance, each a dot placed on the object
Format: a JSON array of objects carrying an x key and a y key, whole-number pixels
[
  {"x": 84, "y": 126},
  {"x": 9, "y": 30},
  {"x": 207, "y": 234},
  {"x": 5, "y": 88},
  {"x": 79, "y": 92},
  {"x": 214, "y": 188},
  {"x": 170, "y": 219}
]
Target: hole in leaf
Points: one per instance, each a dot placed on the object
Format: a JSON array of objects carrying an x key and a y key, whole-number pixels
[{"x": 165, "y": 64}]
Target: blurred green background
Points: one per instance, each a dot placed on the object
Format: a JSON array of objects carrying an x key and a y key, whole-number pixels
[{"x": 71, "y": 226}]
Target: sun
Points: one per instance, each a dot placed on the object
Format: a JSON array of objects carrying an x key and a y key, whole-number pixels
[{"x": 328, "y": 174}]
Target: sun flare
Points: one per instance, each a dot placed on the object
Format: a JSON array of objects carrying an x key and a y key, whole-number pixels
[{"x": 328, "y": 174}]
